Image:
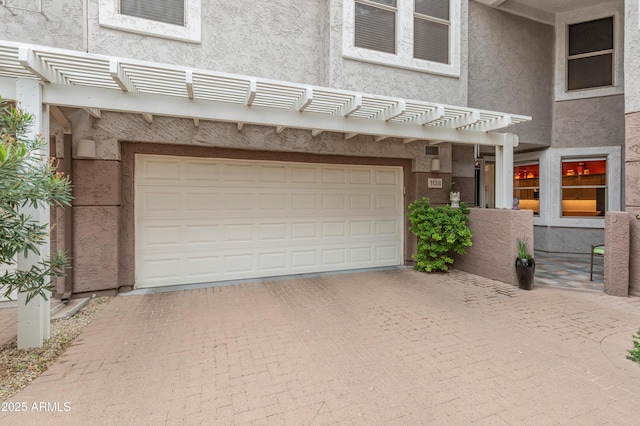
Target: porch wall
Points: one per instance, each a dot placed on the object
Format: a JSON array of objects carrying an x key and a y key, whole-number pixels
[{"x": 495, "y": 243}]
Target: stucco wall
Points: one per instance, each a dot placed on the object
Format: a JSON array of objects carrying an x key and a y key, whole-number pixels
[
  {"x": 113, "y": 127},
  {"x": 632, "y": 56},
  {"x": 589, "y": 122},
  {"x": 495, "y": 238},
  {"x": 511, "y": 69},
  {"x": 279, "y": 39},
  {"x": 60, "y": 24}
]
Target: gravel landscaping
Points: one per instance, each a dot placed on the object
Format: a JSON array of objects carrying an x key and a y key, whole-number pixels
[{"x": 18, "y": 368}]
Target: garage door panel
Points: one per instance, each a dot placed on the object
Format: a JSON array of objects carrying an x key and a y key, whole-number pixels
[
  {"x": 333, "y": 230},
  {"x": 202, "y": 268},
  {"x": 388, "y": 177},
  {"x": 155, "y": 237},
  {"x": 361, "y": 228},
  {"x": 304, "y": 259},
  {"x": 361, "y": 255},
  {"x": 204, "y": 172},
  {"x": 361, "y": 177},
  {"x": 273, "y": 262},
  {"x": 304, "y": 203},
  {"x": 221, "y": 219},
  {"x": 273, "y": 173},
  {"x": 238, "y": 263},
  {"x": 201, "y": 202},
  {"x": 273, "y": 231},
  {"x": 334, "y": 257},
  {"x": 162, "y": 169},
  {"x": 333, "y": 202},
  {"x": 239, "y": 172},
  {"x": 304, "y": 230},
  {"x": 388, "y": 253},
  {"x": 197, "y": 235},
  {"x": 161, "y": 202},
  {"x": 276, "y": 201},
  {"x": 239, "y": 232}
]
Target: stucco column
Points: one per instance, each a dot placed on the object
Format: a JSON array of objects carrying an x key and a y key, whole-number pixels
[
  {"x": 504, "y": 171},
  {"x": 34, "y": 317}
]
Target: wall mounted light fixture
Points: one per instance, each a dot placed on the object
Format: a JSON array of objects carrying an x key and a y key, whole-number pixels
[
  {"x": 435, "y": 164},
  {"x": 86, "y": 149}
]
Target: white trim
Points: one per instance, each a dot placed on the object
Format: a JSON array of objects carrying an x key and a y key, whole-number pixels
[
  {"x": 404, "y": 57},
  {"x": 563, "y": 20},
  {"x": 551, "y": 184},
  {"x": 109, "y": 17},
  {"x": 83, "y": 80}
]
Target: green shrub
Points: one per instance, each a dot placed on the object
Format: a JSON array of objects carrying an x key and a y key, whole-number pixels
[
  {"x": 523, "y": 250},
  {"x": 26, "y": 180},
  {"x": 440, "y": 231},
  {"x": 634, "y": 354}
]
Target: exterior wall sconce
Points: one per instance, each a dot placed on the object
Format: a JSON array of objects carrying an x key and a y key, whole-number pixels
[
  {"x": 435, "y": 164},
  {"x": 86, "y": 149}
]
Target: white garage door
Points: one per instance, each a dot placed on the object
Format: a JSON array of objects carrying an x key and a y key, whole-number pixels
[{"x": 204, "y": 220}]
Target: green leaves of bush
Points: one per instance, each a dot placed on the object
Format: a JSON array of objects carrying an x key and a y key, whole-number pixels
[
  {"x": 440, "y": 231},
  {"x": 634, "y": 354},
  {"x": 27, "y": 179}
]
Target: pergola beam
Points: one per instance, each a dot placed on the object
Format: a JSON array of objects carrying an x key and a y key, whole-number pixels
[
  {"x": 108, "y": 99},
  {"x": 115, "y": 70}
]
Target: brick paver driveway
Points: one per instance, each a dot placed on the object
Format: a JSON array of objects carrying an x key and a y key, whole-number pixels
[{"x": 395, "y": 346}]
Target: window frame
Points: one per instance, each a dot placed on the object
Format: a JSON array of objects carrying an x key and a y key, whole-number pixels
[
  {"x": 109, "y": 16},
  {"x": 404, "y": 40},
  {"x": 563, "y": 20},
  {"x": 591, "y": 54},
  {"x": 605, "y": 186},
  {"x": 534, "y": 188}
]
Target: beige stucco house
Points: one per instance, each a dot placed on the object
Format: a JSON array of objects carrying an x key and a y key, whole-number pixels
[{"x": 215, "y": 141}]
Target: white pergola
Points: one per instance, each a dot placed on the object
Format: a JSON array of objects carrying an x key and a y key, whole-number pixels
[
  {"x": 97, "y": 82},
  {"x": 45, "y": 78}
]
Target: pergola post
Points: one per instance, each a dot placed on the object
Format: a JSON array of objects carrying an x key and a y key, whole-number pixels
[
  {"x": 34, "y": 318},
  {"x": 504, "y": 171}
]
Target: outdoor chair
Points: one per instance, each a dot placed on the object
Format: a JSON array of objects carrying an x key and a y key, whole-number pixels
[{"x": 595, "y": 251}]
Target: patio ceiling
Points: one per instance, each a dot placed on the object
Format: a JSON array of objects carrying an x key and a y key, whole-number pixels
[{"x": 97, "y": 82}]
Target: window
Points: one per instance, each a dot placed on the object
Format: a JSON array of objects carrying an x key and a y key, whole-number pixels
[
  {"x": 169, "y": 11},
  {"x": 590, "y": 59},
  {"x": 174, "y": 19},
  {"x": 584, "y": 187},
  {"x": 526, "y": 186},
  {"x": 417, "y": 34},
  {"x": 431, "y": 30},
  {"x": 375, "y": 25}
]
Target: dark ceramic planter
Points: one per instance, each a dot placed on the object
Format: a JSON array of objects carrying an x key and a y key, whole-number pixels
[{"x": 525, "y": 269}]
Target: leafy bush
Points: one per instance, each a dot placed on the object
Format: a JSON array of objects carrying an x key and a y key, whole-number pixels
[
  {"x": 26, "y": 180},
  {"x": 634, "y": 354},
  {"x": 440, "y": 231}
]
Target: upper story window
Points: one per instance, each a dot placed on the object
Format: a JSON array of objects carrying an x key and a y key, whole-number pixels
[
  {"x": 589, "y": 52},
  {"x": 431, "y": 30},
  {"x": 417, "y": 34},
  {"x": 174, "y": 19},
  {"x": 590, "y": 59}
]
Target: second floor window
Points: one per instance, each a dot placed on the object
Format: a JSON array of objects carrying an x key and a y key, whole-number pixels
[
  {"x": 167, "y": 11},
  {"x": 421, "y": 28},
  {"x": 590, "y": 59},
  {"x": 431, "y": 30}
]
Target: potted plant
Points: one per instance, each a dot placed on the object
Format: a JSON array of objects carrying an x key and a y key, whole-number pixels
[{"x": 525, "y": 266}]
